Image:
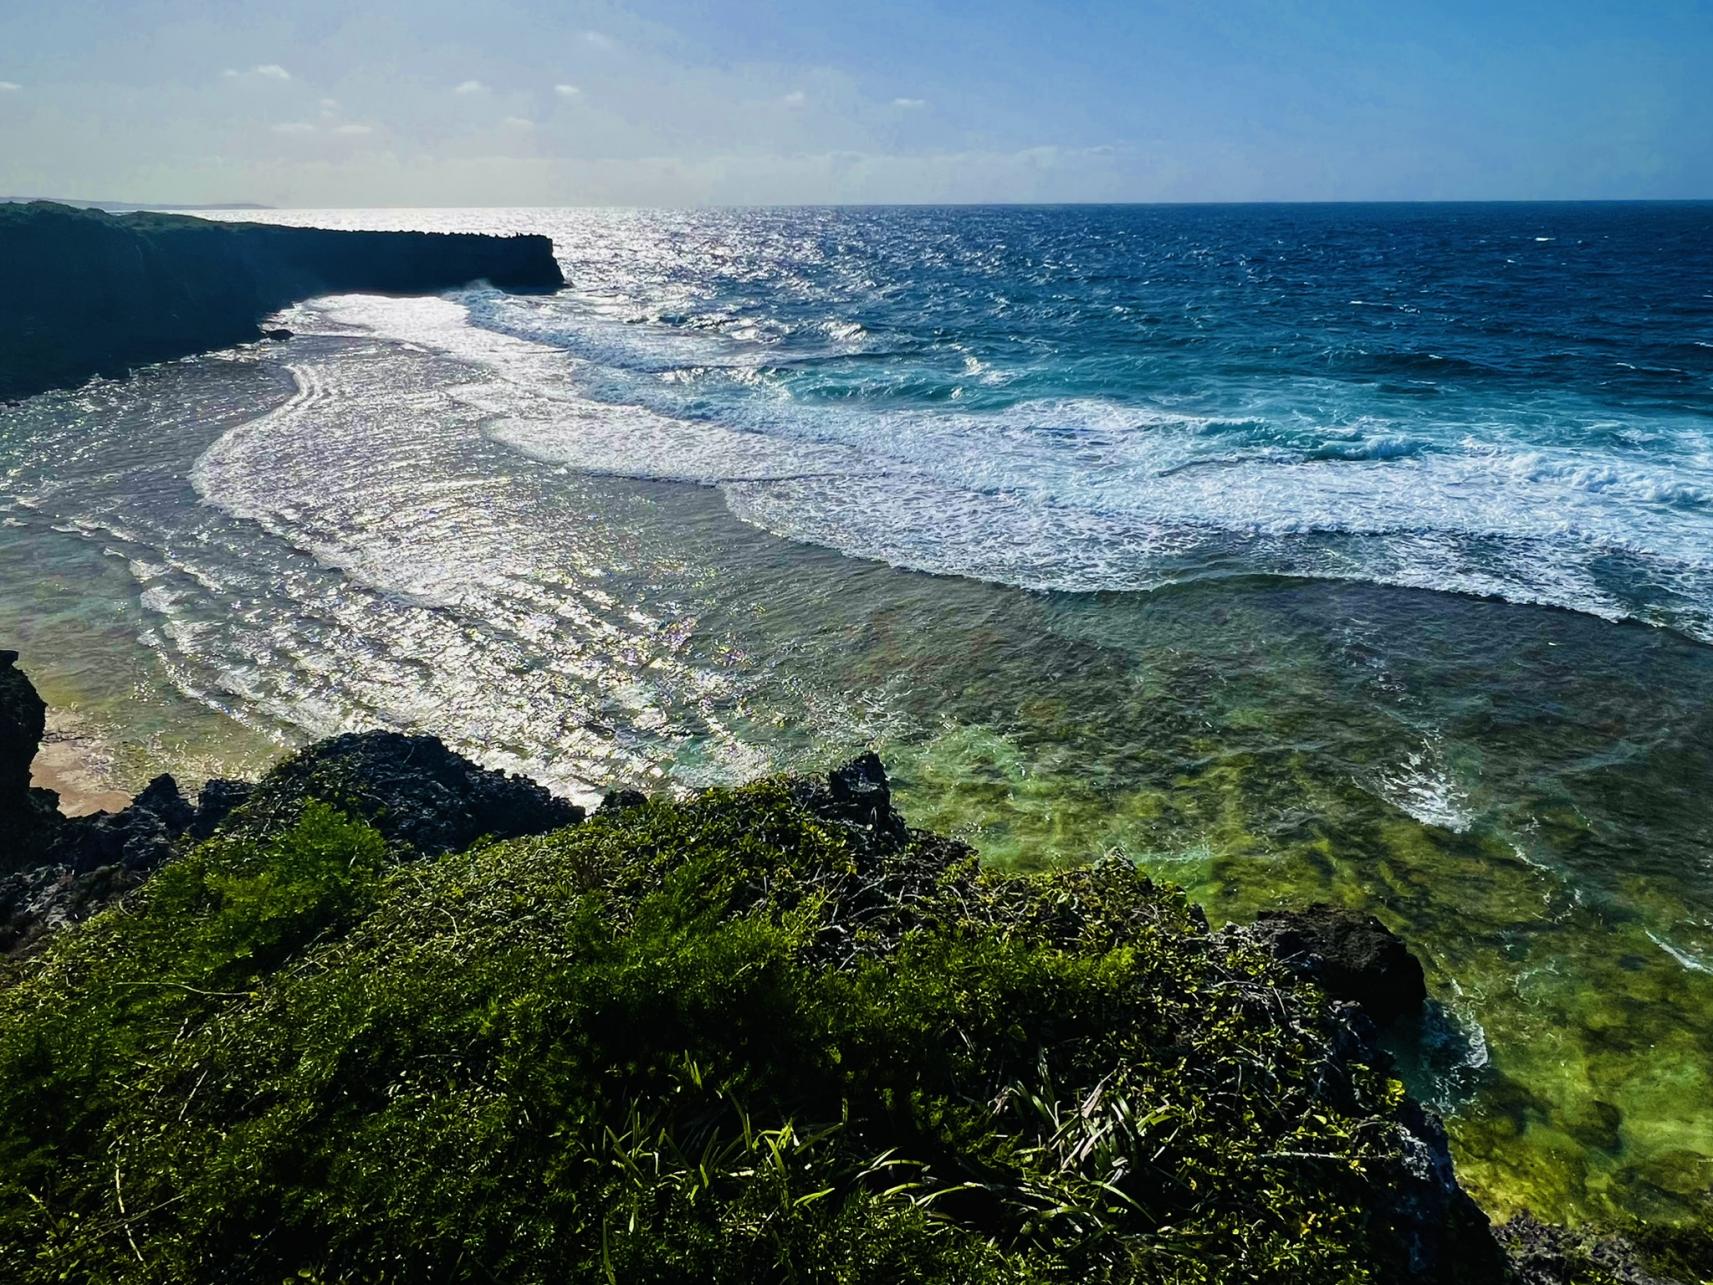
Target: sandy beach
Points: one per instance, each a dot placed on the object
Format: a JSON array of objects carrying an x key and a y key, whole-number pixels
[{"x": 69, "y": 763}]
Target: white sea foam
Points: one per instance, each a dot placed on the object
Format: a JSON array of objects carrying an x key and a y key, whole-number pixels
[
  {"x": 1086, "y": 493},
  {"x": 1692, "y": 962}
]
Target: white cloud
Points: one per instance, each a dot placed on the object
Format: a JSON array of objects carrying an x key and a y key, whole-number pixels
[
  {"x": 567, "y": 91},
  {"x": 597, "y": 40},
  {"x": 263, "y": 71},
  {"x": 353, "y": 130},
  {"x": 294, "y": 128},
  {"x": 10, "y": 87},
  {"x": 909, "y": 104},
  {"x": 517, "y": 122},
  {"x": 470, "y": 87},
  {"x": 329, "y": 106},
  {"x": 796, "y": 98}
]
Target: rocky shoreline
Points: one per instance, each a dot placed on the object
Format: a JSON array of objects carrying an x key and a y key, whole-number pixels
[
  {"x": 58, "y": 869},
  {"x": 89, "y": 293}
]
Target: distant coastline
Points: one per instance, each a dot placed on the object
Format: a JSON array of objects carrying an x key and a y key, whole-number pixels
[
  {"x": 90, "y": 293},
  {"x": 118, "y": 207}
]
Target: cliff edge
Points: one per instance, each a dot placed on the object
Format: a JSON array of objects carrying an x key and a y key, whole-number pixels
[{"x": 85, "y": 293}]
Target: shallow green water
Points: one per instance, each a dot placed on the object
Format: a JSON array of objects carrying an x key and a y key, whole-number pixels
[{"x": 1523, "y": 793}]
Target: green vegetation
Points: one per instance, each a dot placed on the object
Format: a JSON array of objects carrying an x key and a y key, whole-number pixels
[{"x": 731, "y": 1039}]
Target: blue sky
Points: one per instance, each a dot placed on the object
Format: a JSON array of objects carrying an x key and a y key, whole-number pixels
[{"x": 405, "y": 102}]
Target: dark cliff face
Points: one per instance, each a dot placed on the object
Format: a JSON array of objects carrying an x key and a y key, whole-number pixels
[{"x": 84, "y": 293}]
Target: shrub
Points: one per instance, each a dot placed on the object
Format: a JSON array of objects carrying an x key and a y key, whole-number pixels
[{"x": 728, "y": 1039}]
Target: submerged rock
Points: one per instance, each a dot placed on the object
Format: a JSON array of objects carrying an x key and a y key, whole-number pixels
[
  {"x": 1353, "y": 957},
  {"x": 1544, "y": 1254}
]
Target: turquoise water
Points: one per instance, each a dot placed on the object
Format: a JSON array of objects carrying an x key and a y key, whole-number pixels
[
  {"x": 1508, "y": 400},
  {"x": 1355, "y": 553}
]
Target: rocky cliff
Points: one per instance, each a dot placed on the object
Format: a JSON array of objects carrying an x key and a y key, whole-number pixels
[{"x": 84, "y": 293}]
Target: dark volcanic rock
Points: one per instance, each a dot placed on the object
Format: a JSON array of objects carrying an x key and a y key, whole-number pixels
[
  {"x": 33, "y": 903},
  {"x": 859, "y": 796},
  {"x": 23, "y": 718},
  {"x": 411, "y": 788},
  {"x": 1442, "y": 1231},
  {"x": 621, "y": 800},
  {"x": 1352, "y": 956},
  {"x": 217, "y": 801},
  {"x": 279, "y": 334},
  {"x": 56, "y": 870},
  {"x": 65, "y": 868},
  {"x": 163, "y": 798},
  {"x": 27, "y": 815},
  {"x": 137, "y": 839},
  {"x": 89, "y": 293}
]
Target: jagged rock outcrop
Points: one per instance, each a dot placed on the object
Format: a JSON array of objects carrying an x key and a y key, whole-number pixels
[
  {"x": 88, "y": 293},
  {"x": 218, "y": 799},
  {"x": 1353, "y": 957},
  {"x": 412, "y": 789},
  {"x": 858, "y": 797},
  {"x": 57, "y": 870},
  {"x": 25, "y": 813},
  {"x": 23, "y": 719},
  {"x": 619, "y": 800},
  {"x": 137, "y": 838}
]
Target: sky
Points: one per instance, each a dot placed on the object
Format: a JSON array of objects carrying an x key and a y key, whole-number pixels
[{"x": 675, "y": 102}]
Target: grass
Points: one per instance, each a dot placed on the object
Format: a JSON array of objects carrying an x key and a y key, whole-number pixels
[{"x": 730, "y": 1039}]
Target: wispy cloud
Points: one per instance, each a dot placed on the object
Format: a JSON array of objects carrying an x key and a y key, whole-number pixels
[
  {"x": 518, "y": 122},
  {"x": 294, "y": 128},
  {"x": 909, "y": 104},
  {"x": 796, "y": 98},
  {"x": 567, "y": 91},
  {"x": 353, "y": 130},
  {"x": 262, "y": 71},
  {"x": 598, "y": 40},
  {"x": 10, "y": 87},
  {"x": 329, "y": 106},
  {"x": 469, "y": 87}
]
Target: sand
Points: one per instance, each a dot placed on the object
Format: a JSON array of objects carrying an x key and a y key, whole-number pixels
[{"x": 74, "y": 766}]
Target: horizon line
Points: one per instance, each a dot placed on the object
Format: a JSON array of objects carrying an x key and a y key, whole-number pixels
[{"x": 872, "y": 205}]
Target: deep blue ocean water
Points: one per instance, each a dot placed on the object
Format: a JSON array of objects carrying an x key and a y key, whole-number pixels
[{"x": 1500, "y": 399}]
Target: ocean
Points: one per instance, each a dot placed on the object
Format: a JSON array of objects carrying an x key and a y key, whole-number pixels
[{"x": 1352, "y": 553}]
